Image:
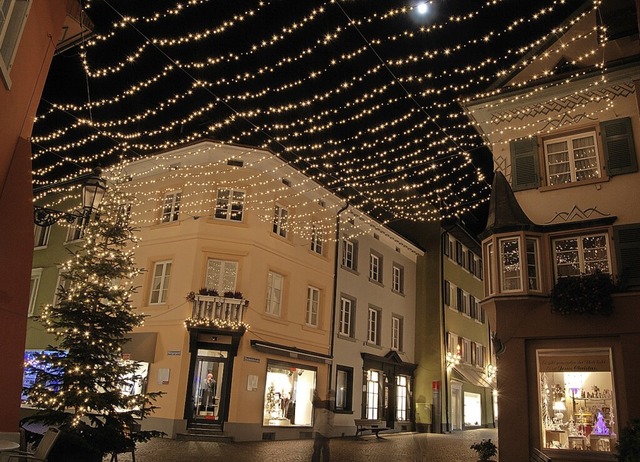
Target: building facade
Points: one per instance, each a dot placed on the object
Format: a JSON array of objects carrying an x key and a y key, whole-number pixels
[
  {"x": 455, "y": 380},
  {"x": 564, "y": 134},
  {"x": 374, "y": 320},
  {"x": 239, "y": 291},
  {"x": 30, "y": 33}
]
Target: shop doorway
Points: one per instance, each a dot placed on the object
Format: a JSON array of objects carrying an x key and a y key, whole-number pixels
[
  {"x": 209, "y": 388},
  {"x": 456, "y": 406}
]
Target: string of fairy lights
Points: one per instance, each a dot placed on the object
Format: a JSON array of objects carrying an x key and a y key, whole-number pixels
[{"x": 363, "y": 101}]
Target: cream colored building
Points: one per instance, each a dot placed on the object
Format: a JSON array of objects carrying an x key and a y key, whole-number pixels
[{"x": 239, "y": 253}]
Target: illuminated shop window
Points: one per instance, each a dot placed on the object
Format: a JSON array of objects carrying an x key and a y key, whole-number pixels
[
  {"x": 288, "y": 395},
  {"x": 577, "y": 399}
]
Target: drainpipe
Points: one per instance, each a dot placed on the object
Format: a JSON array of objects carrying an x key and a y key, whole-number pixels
[
  {"x": 444, "y": 333},
  {"x": 335, "y": 291}
]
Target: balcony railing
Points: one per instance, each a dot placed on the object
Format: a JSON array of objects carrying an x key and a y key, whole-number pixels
[{"x": 220, "y": 310}]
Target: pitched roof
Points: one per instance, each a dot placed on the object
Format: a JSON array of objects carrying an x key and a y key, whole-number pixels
[{"x": 505, "y": 213}]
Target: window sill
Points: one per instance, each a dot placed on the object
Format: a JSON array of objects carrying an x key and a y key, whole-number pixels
[
  {"x": 350, "y": 270},
  {"x": 602, "y": 179},
  {"x": 398, "y": 293},
  {"x": 223, "y": 221},
  {"x": 378, "y": 283},
  {"x": 341, "y": 411},
  {"x": 346, "y": 337},
  {"x": 274, "y": 318},
  {"x": 165, "y": 224},
  {"x": 373, "y": 345}
]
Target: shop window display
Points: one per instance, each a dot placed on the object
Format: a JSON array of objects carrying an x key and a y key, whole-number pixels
[
  {"x": 288, "y": 395},
  {"x": 577, "y": 399}
]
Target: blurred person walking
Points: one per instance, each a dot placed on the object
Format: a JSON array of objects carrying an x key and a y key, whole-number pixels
[{"x": 322, "y": 426}]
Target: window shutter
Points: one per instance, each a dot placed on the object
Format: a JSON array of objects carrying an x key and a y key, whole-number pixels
[
  {"x": 447, "y": 293},
  {"x": 627, "y": 239},
  {"x": 619, "y": 150},
  {"x": 524, "y": 164}
]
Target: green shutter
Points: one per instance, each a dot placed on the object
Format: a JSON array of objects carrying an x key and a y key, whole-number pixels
[
  {"x": 524, "y": 164},
  {"x": 627, "y": 241},
  {"x": 619, "y": 150}
]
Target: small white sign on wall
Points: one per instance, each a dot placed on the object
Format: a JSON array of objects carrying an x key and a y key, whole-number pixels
[
  {"x": 252, "y": 382},
  {"x": 163, "y": 376}
]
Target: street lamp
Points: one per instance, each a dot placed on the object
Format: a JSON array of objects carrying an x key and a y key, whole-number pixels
[{"x": 93, "y": 190}]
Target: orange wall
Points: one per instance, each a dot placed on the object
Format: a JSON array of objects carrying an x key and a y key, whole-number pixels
[{"x": 17, "y": 110}]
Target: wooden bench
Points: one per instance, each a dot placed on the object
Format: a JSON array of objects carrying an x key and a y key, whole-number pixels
[{"x": 374, "y": 426}]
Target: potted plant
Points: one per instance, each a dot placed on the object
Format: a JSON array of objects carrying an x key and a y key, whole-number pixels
[
  {"x": 584, "y": 294},
  {"x": 229, "y": 294},
  {"x": 485, "y": 450},
  {"x": 237, "y": 294},
  {"x": 629, "y": 442}
]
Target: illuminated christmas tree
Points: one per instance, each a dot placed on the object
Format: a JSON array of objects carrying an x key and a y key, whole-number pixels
[{"x": 79, "y": 382}]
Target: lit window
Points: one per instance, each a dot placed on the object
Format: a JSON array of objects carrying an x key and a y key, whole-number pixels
[
  {"x": 313, "y": 301},
  {"x": 510, "y": 264},
  {"x": 373, "y": 394},
  {"x": 13, "y": 16},
  {"x": 316, "y": 240},
  {"x": 221, "y": 275},
  {"x": 229, "y": 205},
  {"x": 581, "y": 255},
  {"x": 577, "y": 408},
  {"x": 398, "y": 279},
  {"x": 572, "y": 158},
  {"x": 346, "y": 316},
  {"x": 160, "y": 284},
  {"x": 490, "y": 271},
  {"x": 275, "y": 283},
  {"x": 171, "y": 207},
  {"x": 288, "y": 393},
  {"x": 373, "y": 326},
  {"x": 280, "y": 218},
  {"x": 402, "y": 397},
  {"x": 532, "y": 264}
]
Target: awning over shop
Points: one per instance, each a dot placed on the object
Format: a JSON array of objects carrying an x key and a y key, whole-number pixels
[
  {"x": 141, "y": 347},
  {"x": 471, "y": 375},
  {"x": 290, "y": 352}
]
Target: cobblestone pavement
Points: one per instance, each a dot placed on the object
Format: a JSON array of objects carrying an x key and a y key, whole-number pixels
[{"x": 403, "y": 447}]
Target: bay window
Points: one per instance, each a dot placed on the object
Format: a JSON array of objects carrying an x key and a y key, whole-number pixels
[
  {"x": 510, "y": 264},
  {"x": 578, "y": 255}
]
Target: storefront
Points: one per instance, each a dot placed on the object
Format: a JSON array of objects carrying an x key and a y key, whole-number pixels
[
  {"x": 388, "y": 390},
  {"x": 577, "y": 399}
]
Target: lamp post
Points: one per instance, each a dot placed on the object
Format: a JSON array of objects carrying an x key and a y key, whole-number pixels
[{"x": 93, "y": 190}]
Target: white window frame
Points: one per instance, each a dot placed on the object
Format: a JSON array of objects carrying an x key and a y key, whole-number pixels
[
  {"x": 76, "y": 230},
  {"x": 533, "y": 264},
  {"x": 398, "y": 279},
  {"x": 375, "y": 267},
  {"x": 11, "y": 29},
  {"x": 162, "y": 276},
  {"x": 275, "y": 292},
  {"x": 580, "y": 250},
  {"x": 346, "y": 316},
  {"x": 479, "y": 355},
  {"x": 396, "y": 333},
  {"x": 502, "y": 266},
  {"x": 230, "y": 208},
  {"x": 171, "y": 206},
  {"x": 402, "y": 389},
  {"x": 349, "y": 254},
  {"x": 280, "y": 219},
  {"x": 317, "y": 243},
  {"x": 373, "y": 394},
  {"x": 36, "y": 276},
  {"x": 41, "y": 236},
  {"x": 571, "y": 157},
  {"x": 373, "y": 326},
  {"x": 313, "y": 306},
  {"x": 223, "y": 282}
]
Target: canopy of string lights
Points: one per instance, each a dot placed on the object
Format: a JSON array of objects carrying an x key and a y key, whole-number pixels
[{"x": 362, "y": 96}]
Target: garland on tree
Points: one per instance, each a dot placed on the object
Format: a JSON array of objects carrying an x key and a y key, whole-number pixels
[{"x": 78, "y": 382}]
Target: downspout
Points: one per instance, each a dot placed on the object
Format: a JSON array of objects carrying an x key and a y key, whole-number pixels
[{"x": 335, "y": 292}]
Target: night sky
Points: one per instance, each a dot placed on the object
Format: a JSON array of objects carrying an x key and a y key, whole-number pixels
[{"x": 361, "y": 95}]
